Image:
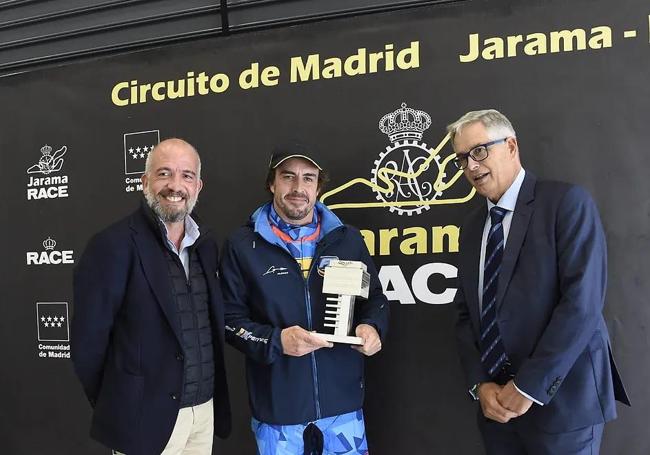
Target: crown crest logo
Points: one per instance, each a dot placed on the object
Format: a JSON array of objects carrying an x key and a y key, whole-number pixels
[
  {"x": 49, "y": 244},
  {"x": 405, "y": 123},
  {"x": 46, "y": 150}
]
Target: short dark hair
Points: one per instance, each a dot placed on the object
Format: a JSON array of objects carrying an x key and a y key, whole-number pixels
[{"x": 323, "y": 178}]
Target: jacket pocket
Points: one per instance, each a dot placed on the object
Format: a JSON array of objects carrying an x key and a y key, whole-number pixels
[{"x": 119, "y": 408}]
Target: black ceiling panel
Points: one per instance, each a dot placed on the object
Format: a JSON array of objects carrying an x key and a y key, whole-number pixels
[{"x": 35, "y": 33}]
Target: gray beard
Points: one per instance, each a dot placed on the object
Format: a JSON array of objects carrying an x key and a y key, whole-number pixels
[{"x": 169, "y": 215}]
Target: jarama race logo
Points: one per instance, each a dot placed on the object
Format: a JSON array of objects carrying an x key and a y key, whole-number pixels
[
  {"x": 45, "y": 182},
  {"x": 409, "y": 178}
]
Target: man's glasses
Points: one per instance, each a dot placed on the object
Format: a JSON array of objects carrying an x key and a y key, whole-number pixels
[{"x": 478, "y": 153}]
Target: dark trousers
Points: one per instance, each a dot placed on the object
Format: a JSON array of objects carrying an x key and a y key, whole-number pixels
[{"x": 521, "y": 438}]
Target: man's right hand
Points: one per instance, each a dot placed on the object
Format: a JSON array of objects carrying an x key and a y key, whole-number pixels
[
  {"x": 487, "y": 395},
  {"x": 297, "y": 341}
]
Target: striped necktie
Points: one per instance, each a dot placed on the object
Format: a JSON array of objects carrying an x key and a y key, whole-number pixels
[{"x": 493, "y": 353}]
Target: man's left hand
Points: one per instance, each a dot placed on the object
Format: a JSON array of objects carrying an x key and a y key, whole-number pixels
[
  {"x": 510, "y": 398},
  {"x": 371, "y": 341}
]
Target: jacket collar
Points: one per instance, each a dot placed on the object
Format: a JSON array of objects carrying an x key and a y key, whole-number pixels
[
  {"x": 259, "y": 220},
  {"x": 518, "y": 228},
  {"x": 153, "y": 222}
]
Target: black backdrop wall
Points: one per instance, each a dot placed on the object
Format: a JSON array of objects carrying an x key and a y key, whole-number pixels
[{"x": 572, "y": 78}]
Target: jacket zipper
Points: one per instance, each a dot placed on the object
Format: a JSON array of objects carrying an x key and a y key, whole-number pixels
[
  {"x": 188, "y": 281},
  {"x": 314, "y": 367}
]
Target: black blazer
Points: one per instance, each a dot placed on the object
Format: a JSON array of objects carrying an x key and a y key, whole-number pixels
[{"x": 126, "y": 339}]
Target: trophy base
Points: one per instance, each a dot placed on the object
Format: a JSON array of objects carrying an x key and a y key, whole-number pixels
[{"x": 341, "y": 338}]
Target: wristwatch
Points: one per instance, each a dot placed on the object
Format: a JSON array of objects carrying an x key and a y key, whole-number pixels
[{"x": 474, "y": 391}]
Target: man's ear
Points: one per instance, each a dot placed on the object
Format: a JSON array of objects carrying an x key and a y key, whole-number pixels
[{"x": 513, "y": 145}]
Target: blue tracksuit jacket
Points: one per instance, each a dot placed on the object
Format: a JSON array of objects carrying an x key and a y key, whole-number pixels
[{"x": 265, "y": 292}]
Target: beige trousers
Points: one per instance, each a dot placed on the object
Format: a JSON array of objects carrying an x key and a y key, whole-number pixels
[{"x": 192, "y": 433}]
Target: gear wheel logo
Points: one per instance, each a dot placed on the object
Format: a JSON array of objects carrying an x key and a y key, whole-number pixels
[
  {"x": 413, "y": 172},
  {"x": 409, "y": 176},
  {"x": 406, "y": 156}
]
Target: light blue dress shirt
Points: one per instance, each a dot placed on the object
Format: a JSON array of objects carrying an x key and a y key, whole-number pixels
[{"x": 191, "y": 236}]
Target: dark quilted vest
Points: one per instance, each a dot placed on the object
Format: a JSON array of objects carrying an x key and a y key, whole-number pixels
[{"x": 192, "y": 306}]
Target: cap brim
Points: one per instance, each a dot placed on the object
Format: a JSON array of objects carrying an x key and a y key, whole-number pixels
[{"x": 305, "y": 157}]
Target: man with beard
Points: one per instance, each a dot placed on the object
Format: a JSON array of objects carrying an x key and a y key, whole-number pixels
[
  {"x": 147, "y": 330},
  {"x": 305, "y": 393}
]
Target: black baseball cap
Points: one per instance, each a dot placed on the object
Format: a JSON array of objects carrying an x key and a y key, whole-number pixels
[{"x": 283, "y": 152}]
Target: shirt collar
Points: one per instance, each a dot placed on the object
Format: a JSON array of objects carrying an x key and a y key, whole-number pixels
[
  {"x": 192, "y": 232},
  {"x": 509, "y": 199}
]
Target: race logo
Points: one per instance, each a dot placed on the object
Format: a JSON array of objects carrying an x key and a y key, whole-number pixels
[
  {"x": 413, "y": 172},
  {"x": 136, "y": 149},
  {"x": 49, "y": 162},
  {"x": 50, "y": 255},
  {"x": 409, "y": 176},
  {"x": 50, "y": 186},
  {"x": 53, "y": 332}
]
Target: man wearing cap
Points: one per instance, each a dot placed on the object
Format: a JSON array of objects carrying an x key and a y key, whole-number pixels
[{"x": 306, "y": 393}]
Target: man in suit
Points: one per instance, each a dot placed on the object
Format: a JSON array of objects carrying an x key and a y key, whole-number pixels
[
  {"x": 532, "y": 277},
  {"x": 148, "y": 329}
]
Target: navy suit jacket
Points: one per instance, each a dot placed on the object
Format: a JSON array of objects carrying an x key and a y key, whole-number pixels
[
  {"x": 550, "y": 299},
  {"x": 126, "y": 336}
]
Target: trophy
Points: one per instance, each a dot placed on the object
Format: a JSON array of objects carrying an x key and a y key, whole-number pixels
[{"x": 347, "y": 280}]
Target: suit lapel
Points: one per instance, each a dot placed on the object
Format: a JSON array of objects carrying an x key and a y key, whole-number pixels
[
  {"x": 518, "y": 228},
  {"x": 471, "y": 256},
  {"x": 154, "y": 265}
]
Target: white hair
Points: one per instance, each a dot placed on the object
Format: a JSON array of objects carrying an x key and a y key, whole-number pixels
[{"x": 496, "y": 124}]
